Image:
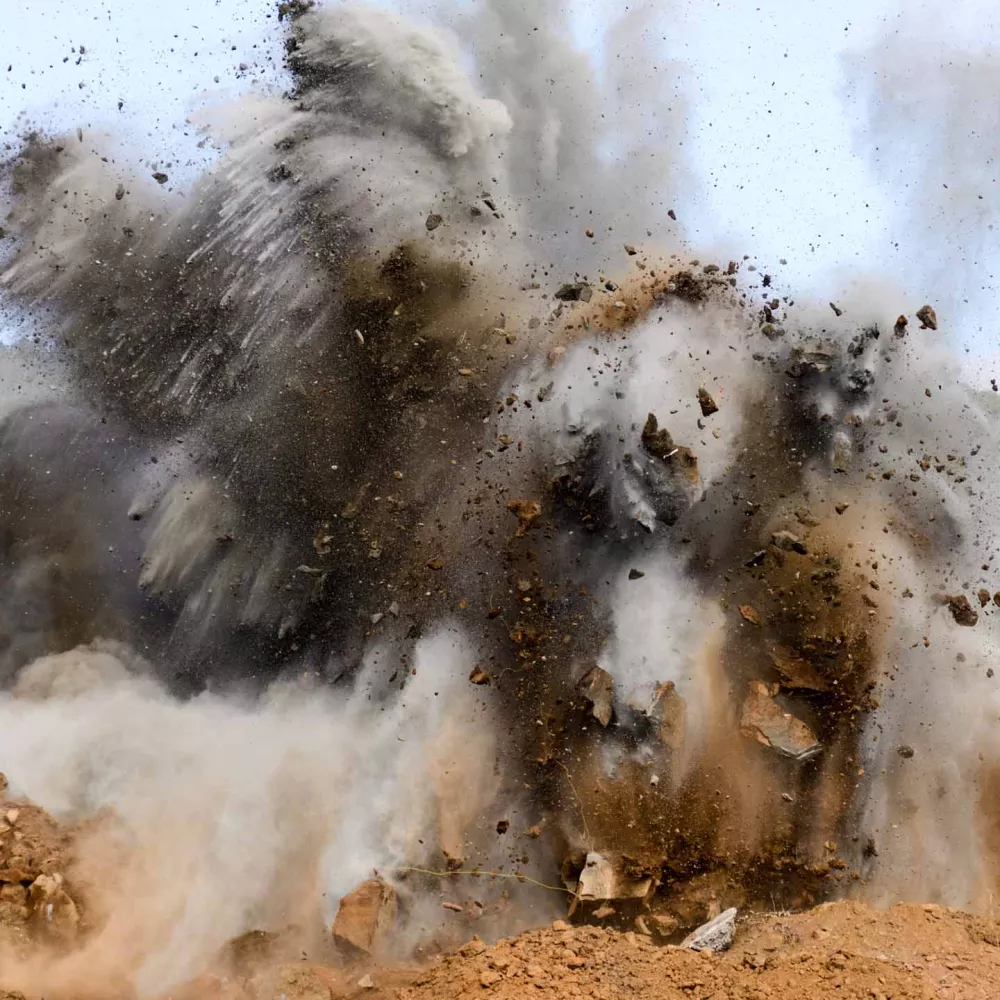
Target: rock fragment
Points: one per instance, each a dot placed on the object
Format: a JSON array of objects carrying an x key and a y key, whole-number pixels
[
  {"x": 796, "y": 672},
  {"x": 574, "y": 291},
  {"x": 788, "y": 542},
  {"x": 433, "y": 221},
  {"x": 764, "y": 720},
  {"x": 900, "y": 327},
  {"x": 984, "y": 597},
  {"x": 606, "y": 878},
  {"x": 961, "y": 610},
  {"x": 715, "y": 936},
  {"x": 527, "y": 513},
  {"x": 751, "y": 614},
  {"x": 927, "y": 317},
  {"x": 598, "y": 687},
  {"x": 366, "y": 916},
  {"x": 706, "y": 402}
]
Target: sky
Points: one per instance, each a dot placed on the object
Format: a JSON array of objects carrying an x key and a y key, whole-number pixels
[{"x": 775, "y": 139}]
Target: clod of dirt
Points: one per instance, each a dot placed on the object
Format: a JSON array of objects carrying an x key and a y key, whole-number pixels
[
  {"x": 763, "y": 719},
  {"x": 366, "y": 916},
  {"x": 527, "y": 513},
  {"x": 962, "y": 611},
  {"x": 984, "y": 596},
  {"x": 433, "y": 221},
  {"x": 598, "y": 688},
  {"x": 706, "y": 402},
  {"x": 927, "y": 317},
  {"x": 574, "y": 291},
  {"x": 479, "y": 676},
  {"x": 904, "y": 751},
  {"x": 715, "y": 936},
  {"x": 789, "y": 542},
  {"x": 899, "y": 329}
]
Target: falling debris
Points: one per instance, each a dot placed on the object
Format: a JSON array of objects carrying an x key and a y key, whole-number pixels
[
  {"x": 527, "y": 513},
  {"x": 366, "y": 916},
  {"x": 715, "y": 936},
  {"x": 961, "y": 609},
  {"x": 763, "y": 720},
  {"x": 900, "y": 327},
  {"x": 635, "y": 574},
  {"x": 905, "y": 751},
  {"x": 927, "y": 317},
  {"x": 669, "y": 712},
  {"x": 575, "y": 291},
  {"x": 984, "y": 597},
  {"x": 750, "y": 613},
  {"x": 160, "y": 177},
  {"x": 598, "y": 687},
  {"x": 705, "y": 401},
  {"x": 796, "y": 672},
  {"x": 479, "y": 676},
  {"x": 433, "y": 221},
  {"x": 630, "y": 250},
  {"x": 788, "y": 542},
  {"x": 836, "y": 311}
]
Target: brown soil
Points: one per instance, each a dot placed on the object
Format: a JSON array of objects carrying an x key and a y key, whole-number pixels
[{"x": 840, "y": 950}]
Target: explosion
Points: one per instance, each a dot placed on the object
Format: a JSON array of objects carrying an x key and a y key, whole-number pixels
[{"x": 384, "y": 546}]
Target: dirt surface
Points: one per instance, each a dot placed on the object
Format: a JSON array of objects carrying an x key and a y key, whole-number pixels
[{"x": 839, "y": 950}]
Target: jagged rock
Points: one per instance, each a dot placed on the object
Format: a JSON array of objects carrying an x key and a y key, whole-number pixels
[
  {"x": 706, "y": 402},
  {"x": 927, "y": 317},
  {"x": 669, "y": 711},
  {"x": 961, "y": 610},
  {"x": 598, "y": 688},
  {"x": 53, "y": 913},
  {"x": 433, "y": 221},
  {"x": 715, "y": 936},
  {"x": 901, "y": 324},
  {"x": 764, "y": 720},
  {"x": 843, "y": 453},
  {"x": 574, "y": 291},
  {"x": 604, "y": 878},
  {"x": 788, "y": 542},
  {"x": 984, "y": 597},
  {"x": 795, "y": 671},
  {"x": 365, "y": 916},
  {"x": 813, "y": 357}
]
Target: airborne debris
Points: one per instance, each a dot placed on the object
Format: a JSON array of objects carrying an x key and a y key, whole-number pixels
[
  {"x": 750, "y": 613},
  {"x": 927, "y": 317},
  {"x": 715, "y": 936},
  {"x": 433, "y": 221},
  {"x": 764, "y": 720},
  {"x": 575, "y": 291},
  {"x": 836, "y": 311},
  {"x": 527, "y": 513},
  {"x": 635, "y": 574},
  {"x": 705, "y": 401},
  {"x": 479, "y": 676},
  {"x": 630, "y": 250},
  {"x": 900, "y": 328},
  {"x": 160, "y": 177},
  {"x": 795, "y": 671},
  {"x": 598, "y": 687},
  {"x": 788, "y": 542},
  {"x": 905, "y": 751},
  {"x": 962, "y": 611},
  {"x": 604, "y": 878}
]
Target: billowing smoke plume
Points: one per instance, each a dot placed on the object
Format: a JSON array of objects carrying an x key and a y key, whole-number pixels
[{"x": 388, "y": 523}]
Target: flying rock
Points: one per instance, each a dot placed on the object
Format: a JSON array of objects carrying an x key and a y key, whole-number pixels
[
  {"x": 927, "y": 317},
  {"x": 764, "y": 720},
  {"x": 705, "y": 401},
  {"x": 575, "y": 291},
  {"x": 366, "y": 916},
  {"x": 598, "y": 688},
  {"x": 788, "y": 542}
]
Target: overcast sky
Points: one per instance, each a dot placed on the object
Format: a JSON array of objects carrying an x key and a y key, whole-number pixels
[{"x": 773, "y": 137}]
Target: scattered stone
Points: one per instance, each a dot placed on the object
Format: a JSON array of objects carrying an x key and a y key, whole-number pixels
[
  {"x": 574, "y": 291},
  {"x": 763, "y": 719},
  {"x": 757, "y": 559},
  {"x": 160, "y": 177},
  {"x": 804, "y": 516},
  {"x": 796, "y": 672},
  {"x": 788, "y": 542},
  {"x": 479, "y": 676},
  {"x": 927, "y": 317},
  {"x": 119, "y": 192},
  {"x": 750, "y": 613},
  {"x": 669, "y": 711},
  {"x": 901, "y": 324},
  {"x": 715, "y": 936},
  {"x": 433, "y": 221},
  {"x": 841, "y": 507},
  {"x": 52, "y": 911},
  {"x": 672, "y": 214},
  {"x": 962, "y": 611},
  {"x": 705, "y": 401},
  {"x": 598, "y": 688},
  {"x": 630, "y": 250},
  {"x": 365, "y": 982},
  {"x": 366, "y": 916},
  {"x": 984, "y": 597},
  {"x": 589, "y": 233},
  {"x": 503, "y": 826},
  {"x": 836, "y": 311},
  {"x": 635, "y": 574},
  {"x": 453, "y": 907},
  {"x": 905, "y": 751}
]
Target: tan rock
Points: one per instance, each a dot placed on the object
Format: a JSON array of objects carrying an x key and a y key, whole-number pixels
[{"x": 365, "y": 916}]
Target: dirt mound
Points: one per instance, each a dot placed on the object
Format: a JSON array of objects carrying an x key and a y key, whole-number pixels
[{"x": 842, "y": 950}]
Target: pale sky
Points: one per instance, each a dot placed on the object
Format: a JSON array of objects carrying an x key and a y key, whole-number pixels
[{"x": 772, "y": 138}]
